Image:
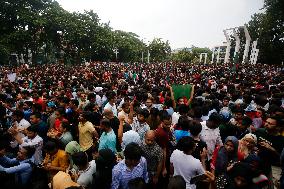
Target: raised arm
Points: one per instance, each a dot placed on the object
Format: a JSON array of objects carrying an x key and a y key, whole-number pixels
[
  {"x": 191, "y": 96},
  {"x": 172, "y": 97}
]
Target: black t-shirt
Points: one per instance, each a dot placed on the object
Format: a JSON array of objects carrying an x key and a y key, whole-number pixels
[
  {"x": 114, "y": 122},
  {"x": 277, "y": 142}
]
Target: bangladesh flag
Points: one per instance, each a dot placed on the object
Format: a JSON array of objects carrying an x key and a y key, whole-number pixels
[{"x": 182, "y": 91}]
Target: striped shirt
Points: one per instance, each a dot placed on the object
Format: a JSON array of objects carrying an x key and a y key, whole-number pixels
[{"x": 121, "y": 174}]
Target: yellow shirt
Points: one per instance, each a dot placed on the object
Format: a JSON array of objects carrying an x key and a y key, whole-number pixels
[
  {"x": 86, "y": 135},
  {"x": 60, "y": 159},
  {"x": 62, "y": 180}
]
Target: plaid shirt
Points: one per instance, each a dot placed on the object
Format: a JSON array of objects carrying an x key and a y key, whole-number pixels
[
  {"x": 140, "y": 128},
  {"x": 121, "y": 174}
]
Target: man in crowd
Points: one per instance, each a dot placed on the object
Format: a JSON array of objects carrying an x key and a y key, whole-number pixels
[
  {"x": 133, "y": 166},
  {"x": 153, "y": 153}
]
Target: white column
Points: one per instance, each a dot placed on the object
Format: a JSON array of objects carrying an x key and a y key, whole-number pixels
[
  {"x": 248, "y": 39},
  {"x": 254, "y": 53},
  {"x": 205, "y": 58},
  {"x": 200, "y": 57},
  {"x": 213, "y": 52},
  {"x": 148, "y": 57},
  {"x": 218, "y": 54},
  {"x": 238, "y": 43},
  {"x": 227, "y": 56}
]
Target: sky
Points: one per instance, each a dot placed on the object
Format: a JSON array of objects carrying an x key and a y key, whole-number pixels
[{"x": 182, "y": 22}]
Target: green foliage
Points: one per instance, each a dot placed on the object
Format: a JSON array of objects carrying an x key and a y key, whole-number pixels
[
  {"x": 191, "y": 54},
  {"x": 159, "y": 50},
  {"x": 182, "y": 56},
  {"x": 50, "y": 32}
]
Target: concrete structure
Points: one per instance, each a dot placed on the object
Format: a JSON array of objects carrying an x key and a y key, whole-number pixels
[
  {"x": 227, "y": 55},
  {"x": 238, "y": 43},
  {"x": 205, "y": 57},
  {"x": 218, "y": 53},
  {"x": 254, "y": 53},
  {"x": 248, "y": 39}
]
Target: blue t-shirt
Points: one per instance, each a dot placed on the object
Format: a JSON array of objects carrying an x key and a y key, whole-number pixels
[
  {"x": 108, "y": 141},
  {"x": 180, "y": 133}
]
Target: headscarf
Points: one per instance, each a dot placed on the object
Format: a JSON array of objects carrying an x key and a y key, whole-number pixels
[
  {"x": 224, "y": 157},
  {"x": 73, "y": 147}
]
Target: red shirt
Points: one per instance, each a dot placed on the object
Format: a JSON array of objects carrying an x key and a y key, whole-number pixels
[{"x": 162, "y": 138}]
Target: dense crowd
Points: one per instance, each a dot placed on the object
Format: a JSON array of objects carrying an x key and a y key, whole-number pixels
[{"x": 121, "y": 126}]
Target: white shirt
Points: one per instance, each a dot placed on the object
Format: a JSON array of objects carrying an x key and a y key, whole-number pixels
[
  {"x": 99, "y": 100},
  {"x": 37, "y": 143},
  {"x": 186, "y": 166},
  {"x": 175, "y": 118},
  {"x": 23, "y": 124},
  {"x": 112, "y": 108},
  {"x": 211, "y": 137},
  {"x": 86, "y": 177}
]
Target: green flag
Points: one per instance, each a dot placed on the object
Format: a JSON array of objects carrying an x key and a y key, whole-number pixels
[{"x": 182, "y": 91}]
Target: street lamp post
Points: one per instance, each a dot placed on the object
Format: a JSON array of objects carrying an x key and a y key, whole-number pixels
[
  {"x": 115, "y": 50},
  {"x": 148, "y": 57}
]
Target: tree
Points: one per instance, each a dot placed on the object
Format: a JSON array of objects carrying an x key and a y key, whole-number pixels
[{"x": 159, "y": 50}]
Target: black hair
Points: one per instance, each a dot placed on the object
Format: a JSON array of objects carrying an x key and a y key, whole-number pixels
[
  {"x": 50, "y": 146},
  {"x": 177, "y": 182},
  {"x": 125, "y": 104},
  {"x": 246, "y": 121},
  {"x": 195, "y": 128},
  {"x": 3, "y": 144},
  {"x": 32, "y": 128},
  {"x": 75, "y": 102},
  {"x": 65, "y": 125},
  {"x": 61, "y": 111},
  {"x": 215, "y": 117},
  {"x": 91, "y": 95},
  {"x": 144, "y": 112},
  {"x": 80, "y": 159},
  {"x": 186, "y": 144},
  {"x": 29, "y": 103},
  {"x": 37, "y": 107},
  {"x": 183, "y": 123},
  {"x": 183, "y": 109},
  {"x": 30, "y": 151},
  {"x": 137, "y": 183},
  {"x": 164, "y": 115},
  {"x": 133, "y": 151},
  {"x": 37, "y": 114},
  {"x": 197, "y": 111},
  {"x": 106, "y": 123},
  {"x": 19, "y": 113},
  {"x": 86, "y": 115},
  {"x": 74, "y": 187}
]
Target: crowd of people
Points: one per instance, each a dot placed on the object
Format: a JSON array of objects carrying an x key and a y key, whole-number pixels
[{"x": 121, "y": 126}]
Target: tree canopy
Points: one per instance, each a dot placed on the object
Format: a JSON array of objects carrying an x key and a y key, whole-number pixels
[{"x": 48, "y": 32}]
